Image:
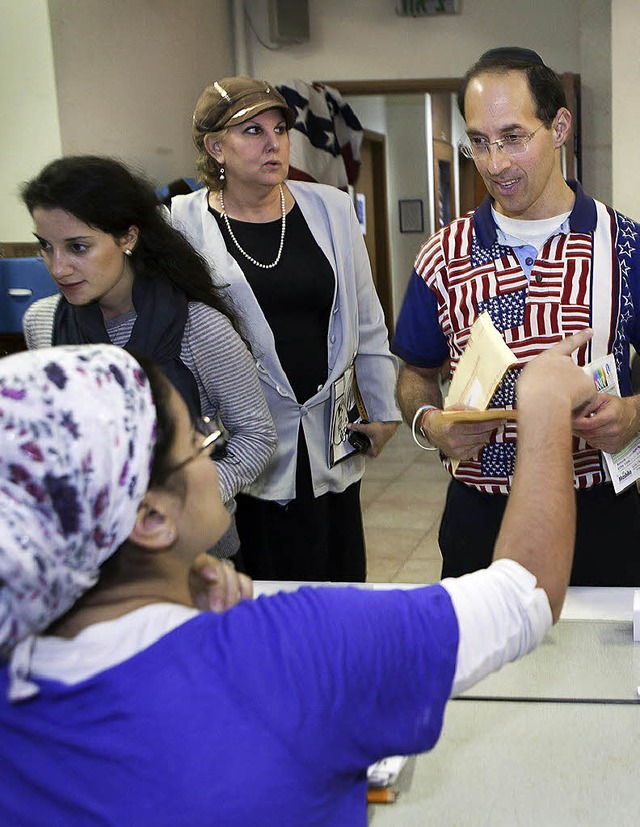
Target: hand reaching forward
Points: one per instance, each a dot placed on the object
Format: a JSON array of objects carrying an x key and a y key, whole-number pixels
[{"x": 553, "y": 374}]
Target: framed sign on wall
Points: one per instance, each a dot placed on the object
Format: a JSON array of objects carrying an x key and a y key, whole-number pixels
[
  {"x": 411, "y": 215},
  {"x": 421, "y": 8}
]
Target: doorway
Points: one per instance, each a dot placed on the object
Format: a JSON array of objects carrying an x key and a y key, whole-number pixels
[{"x": 372, "y": 187}]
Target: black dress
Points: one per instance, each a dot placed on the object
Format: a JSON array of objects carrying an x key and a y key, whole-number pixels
[{"x": 310, "y": 538}]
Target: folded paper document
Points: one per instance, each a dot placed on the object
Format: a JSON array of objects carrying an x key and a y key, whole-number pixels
[
  {"x": 347, "y": 406},
  {"x": 484, "y": 361},
  {"x": 385, "y": 772}
]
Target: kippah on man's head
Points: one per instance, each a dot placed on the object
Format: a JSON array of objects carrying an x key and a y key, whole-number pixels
[
  {"x": 545, "y": 85},
  {"x": 511, "y": 53}
]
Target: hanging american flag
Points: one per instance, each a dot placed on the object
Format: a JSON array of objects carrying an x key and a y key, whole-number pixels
[{"x": 326, "y": 138}]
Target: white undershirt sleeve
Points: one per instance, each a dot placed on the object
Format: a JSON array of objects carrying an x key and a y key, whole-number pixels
[{"x": 502, "y": 615}]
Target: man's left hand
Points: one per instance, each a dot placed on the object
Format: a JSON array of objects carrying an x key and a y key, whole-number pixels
[{"x": 609, "y": 423}]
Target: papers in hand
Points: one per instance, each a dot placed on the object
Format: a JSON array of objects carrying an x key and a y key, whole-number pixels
[
  {"x": 624, "y": 465},
  {"x": 346, "y": 406},
  {"x": 484, "y": 362},
  {"x": 385, "y": 773}
]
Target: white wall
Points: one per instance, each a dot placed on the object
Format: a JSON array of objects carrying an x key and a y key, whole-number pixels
[
  {"x": 352, "y": 39},
  {"x": 129, "y": 73},
  {"x": 371, "y": 111},
  {"x": 122, "y": 80},
  {"x": 625, "y": 82},
  {"x": 595, "y": 85},
  {"x": 30, "y": 133},
  {"x": 407, "y": 179}
]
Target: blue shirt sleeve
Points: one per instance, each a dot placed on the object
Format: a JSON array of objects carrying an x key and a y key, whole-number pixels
[{"x": 418, "y": 339}]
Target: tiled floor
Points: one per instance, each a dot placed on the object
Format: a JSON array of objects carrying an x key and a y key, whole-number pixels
[{"x": 403, "y": 493}]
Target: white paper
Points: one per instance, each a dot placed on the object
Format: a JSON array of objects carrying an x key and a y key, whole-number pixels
[
  {"x": 624, "y": 465},
  {"x": 384, "y": 773},
  {"x": 482, "y": 366},
  {"x": 346, "y": 407}
]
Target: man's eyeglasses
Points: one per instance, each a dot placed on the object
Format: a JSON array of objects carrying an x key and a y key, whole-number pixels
[
  {"x": 479, "y": 148},
  {"x": 214, "y": 442}
]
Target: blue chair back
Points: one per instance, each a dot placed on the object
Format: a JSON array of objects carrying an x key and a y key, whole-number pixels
[{"x": 22, "y": 282}]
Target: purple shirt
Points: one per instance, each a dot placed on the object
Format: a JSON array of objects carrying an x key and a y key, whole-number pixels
[{"x": 269, "y": 713}]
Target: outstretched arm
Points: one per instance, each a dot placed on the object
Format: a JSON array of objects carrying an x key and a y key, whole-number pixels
[
  {"x": 538, "y": 528},
  {"x": 504, "y": 611}
]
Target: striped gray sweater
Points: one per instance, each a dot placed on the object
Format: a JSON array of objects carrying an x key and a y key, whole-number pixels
[{"x": 225, "y": 374}]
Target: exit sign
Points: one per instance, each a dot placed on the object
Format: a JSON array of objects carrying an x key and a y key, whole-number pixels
[{"x": 420, "y": 8}]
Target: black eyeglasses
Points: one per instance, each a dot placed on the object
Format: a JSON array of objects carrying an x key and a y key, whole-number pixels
[{"x": 214, "y": 442}]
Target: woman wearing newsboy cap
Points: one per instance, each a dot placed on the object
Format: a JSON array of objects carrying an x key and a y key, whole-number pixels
[{"x": 293, "y": 256}]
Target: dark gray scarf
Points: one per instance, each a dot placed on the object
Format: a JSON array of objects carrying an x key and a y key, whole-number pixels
[{"x": 162, "y": 312}]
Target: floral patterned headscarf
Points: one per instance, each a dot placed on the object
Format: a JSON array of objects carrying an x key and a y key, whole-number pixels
[{"x": 77, "y": 429}]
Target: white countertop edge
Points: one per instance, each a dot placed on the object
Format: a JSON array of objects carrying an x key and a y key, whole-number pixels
[{"x": 598, "y": 603}]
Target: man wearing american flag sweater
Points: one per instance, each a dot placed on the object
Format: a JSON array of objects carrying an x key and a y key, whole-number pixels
[{"x": 544, "y": 260}]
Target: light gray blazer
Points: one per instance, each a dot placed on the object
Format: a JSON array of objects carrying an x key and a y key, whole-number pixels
[{"x": 356, "y": 331}]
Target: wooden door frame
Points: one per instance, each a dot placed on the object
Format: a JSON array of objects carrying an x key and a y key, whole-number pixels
[
  {"x": 394, "y": 87},
  {"x": 442, "y": 151},
  {"x": 381, "y": 222}
]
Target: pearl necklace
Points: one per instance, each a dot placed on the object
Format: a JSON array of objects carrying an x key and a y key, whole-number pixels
[{"x": 235, "y": 240}]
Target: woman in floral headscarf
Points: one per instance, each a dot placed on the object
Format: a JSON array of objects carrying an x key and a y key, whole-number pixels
[
  {"x": 78, "y": 427},
  {"x": 102, "y": 532},
  {"x": 121, "y": 704}
]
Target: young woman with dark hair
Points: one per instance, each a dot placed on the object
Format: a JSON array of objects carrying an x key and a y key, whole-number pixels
[
  {"x": 107, "y": 196},
  {"x": 128, "y": 278}
]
